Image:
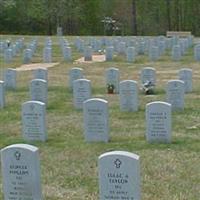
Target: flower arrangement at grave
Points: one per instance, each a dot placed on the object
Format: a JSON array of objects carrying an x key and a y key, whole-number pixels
[
  {"x": 110, "y": 88},
  {"x": 148, "y": 87}
]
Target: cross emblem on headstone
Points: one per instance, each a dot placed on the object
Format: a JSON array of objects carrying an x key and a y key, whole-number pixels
[
  {"x": 17, "y": 155},
  {"x": 117, "y": 163}
]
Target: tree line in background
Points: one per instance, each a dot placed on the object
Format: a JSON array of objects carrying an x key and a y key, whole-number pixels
[{"x": 85, "y": 17}]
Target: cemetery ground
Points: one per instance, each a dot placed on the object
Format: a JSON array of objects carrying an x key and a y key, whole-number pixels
[{"x": 69, "y": 165}]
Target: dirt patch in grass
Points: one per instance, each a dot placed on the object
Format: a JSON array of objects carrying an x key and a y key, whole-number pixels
[
  {"x": 95, "y": 58},
  {"x": 28, "y": 67}
]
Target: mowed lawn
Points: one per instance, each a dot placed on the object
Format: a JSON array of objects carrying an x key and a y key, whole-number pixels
[{"x": 69, "y": 168}]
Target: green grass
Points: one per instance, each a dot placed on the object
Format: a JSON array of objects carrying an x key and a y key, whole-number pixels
[{"x": 69, "y": 165}]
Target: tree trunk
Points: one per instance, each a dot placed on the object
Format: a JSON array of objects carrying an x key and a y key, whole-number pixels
[
  {"x": 168, "y": 2},
  {"x": 134, "y": 17}
]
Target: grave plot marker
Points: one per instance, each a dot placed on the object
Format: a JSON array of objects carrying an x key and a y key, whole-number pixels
[
  {"x": 96, "y": 123},
  {"x": 119, "y": 176},
  {"x": 185, "y": 75},
  {"x": 158, "y": 122},
  {"x": 21, "y": 172},
  {"x": 38, "y": 90},
  {"x": 128, "y": 91},
  {"x": 175, "y": 94},
  {"x": 112, "y": 80},
  {"x": 81, "y": 92},
  {"x": 74, "y": 74},
  {"x": 34, "y": 121},
  {"x": 10, "y": 78}
]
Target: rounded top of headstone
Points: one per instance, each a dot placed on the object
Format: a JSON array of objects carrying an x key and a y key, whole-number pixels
[
  {"x": 33, "y": 102},
  {"x": 120, "y": 153},
  {"x": 148, "y": 68},
  {"x": 41, "y": 68},
  {"x": 158, "y": 103},
  {"x": 38, "y": 80},
  {"x": 95, "y": 100},
  {"x": 186, "y": 69},
  {"x": 128, "y": 81},
  {"x": 11, "y": 69},
  {"x": 76, "y": 68},
  {"x": 81, "y": 80},
  {"x": 21, "y": 146},
  {"x": 175, "y": 81},
  {"x": 112, "y": 68}
]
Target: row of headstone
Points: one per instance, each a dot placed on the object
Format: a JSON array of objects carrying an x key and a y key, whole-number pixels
[
  {"x": 126, "y": 46},
  {"x": 154, "y": 47},
  {"x": 47, "y": 51},
  {"x": 119, "y": 174},
  {"x": 147, "y": 76},
  {"x": 47, "y": 55},
  {"x": 10, "y": 49},
  {"x": 29, "y": 51},
  {"x": 96, "y": 127},
  {"x": 34, "y": 111},
  {"x": 66, "y": 49},
  {"x": 10, "y": 77},
  {"x": 96, "y": 121}
]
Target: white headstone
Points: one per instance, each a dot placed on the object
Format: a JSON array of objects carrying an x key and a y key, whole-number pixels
[
  {"x": 158, "y": 122},
  {"x": 148, "y": 74},
  {"x": 38, "y": 90},
  {"x": 81, "y": 92},
  {"x": 10, "y": 76},
  {"x": 154, "y": 53},
  {"x": 8, "y": 55},
  {"x": 67, "y": 53},
  {"x": 176, "y": 53},
  {"x": 122, "y": 48},
  {"x": 27, "y": 56},
  {"x": 197, "y": 52},
  {"x": 175, "y": 94},
  {"x": 119, "y": 176},
  {"x": 2, "y": 94},
  {"x": 34, "y": 121},
  {"x": 96, "y": 123},
  {"x": 112, "y": 80},
  {"x": 47, "y": 55},
  {"x": 41, "y": 73},
  {"x": 74, "y": 74},
  {"x": 21, "y": 172},
  {"x": 162, "y": 46},
  {"x": 109, "y": 53},
  {"x": 88, "y": 53},
  {"x": 141, "y": 47},
  {"x": 128, "y": 91},
  {"x": 185, "y": 75},
  {"x": 131, "y": 54}
]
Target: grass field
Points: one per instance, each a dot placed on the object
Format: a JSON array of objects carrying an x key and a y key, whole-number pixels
[{"x": 69, "y": 164}]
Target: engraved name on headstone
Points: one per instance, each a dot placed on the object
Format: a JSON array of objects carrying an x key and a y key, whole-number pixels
[
  {"x": 158, "y": 122},
  {"x": 119, "y": 176},
  {"x": 96, "y": 123},
  {"x": 34, "y": 121},
  {"x": 21, "y": 172}
]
